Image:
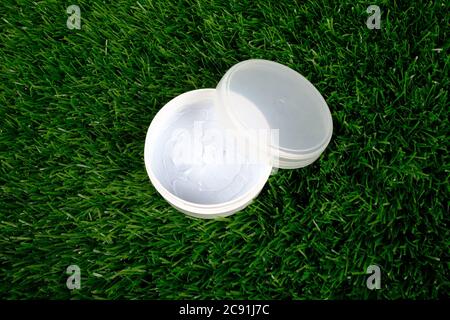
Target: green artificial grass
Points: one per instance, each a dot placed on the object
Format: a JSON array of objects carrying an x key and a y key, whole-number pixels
[{"x": 75, "y": 106}]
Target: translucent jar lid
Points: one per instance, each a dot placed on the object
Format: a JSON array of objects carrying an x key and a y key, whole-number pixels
[{"x": 288, "y": 102}]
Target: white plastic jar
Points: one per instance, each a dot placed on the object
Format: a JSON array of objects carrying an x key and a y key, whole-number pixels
[{"x": 206, "y": 152}]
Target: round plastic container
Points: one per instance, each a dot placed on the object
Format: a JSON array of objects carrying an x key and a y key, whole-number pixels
[
  {"x": 202, "y": 153},
  {"x": 182, "y": 157}
]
